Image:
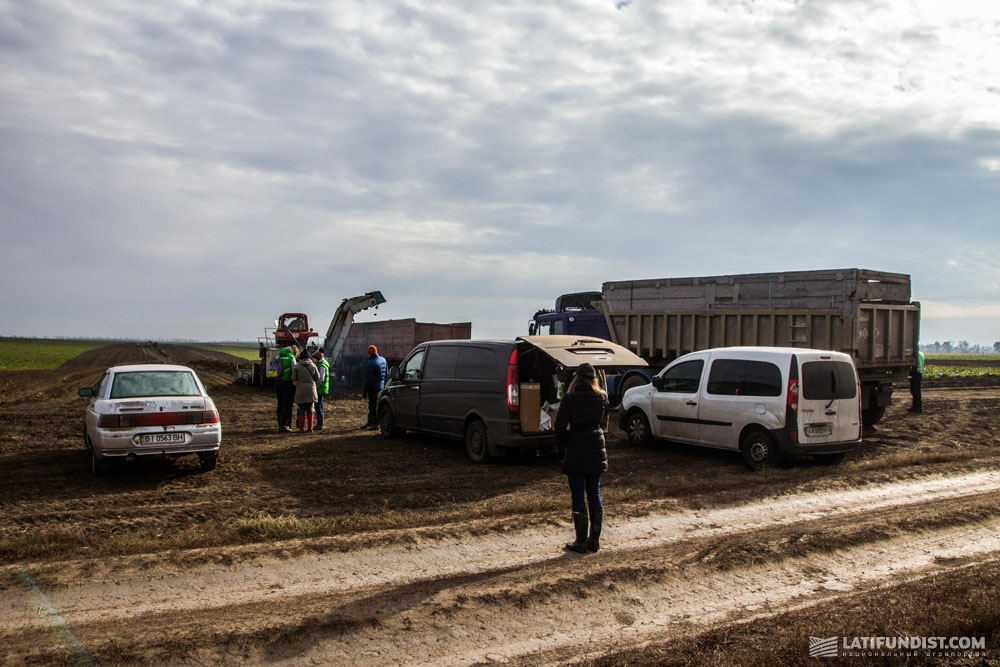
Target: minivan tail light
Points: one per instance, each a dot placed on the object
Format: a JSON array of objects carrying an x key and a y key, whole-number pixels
[
  {"x": 792, "y": 397},
  {"x": 513, "y": 399}
]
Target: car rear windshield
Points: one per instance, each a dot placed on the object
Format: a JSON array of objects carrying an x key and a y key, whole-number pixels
[
  {"x": 154, "y": 383},
  {"x": 827, "y": 380}
]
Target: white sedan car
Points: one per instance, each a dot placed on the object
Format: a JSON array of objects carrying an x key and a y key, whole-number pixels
[{"x": 156, "y": 410}]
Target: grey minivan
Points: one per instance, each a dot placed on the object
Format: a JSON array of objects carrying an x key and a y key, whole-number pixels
[{"x": 492, "y": 394}]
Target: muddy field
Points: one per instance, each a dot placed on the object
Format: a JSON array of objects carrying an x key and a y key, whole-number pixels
[{"x": 342, "y": 547}]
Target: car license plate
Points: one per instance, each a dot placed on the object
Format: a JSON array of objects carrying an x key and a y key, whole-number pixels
[
  {"x": 814, "y": 430},
  {"x": 161, "y": 439}
]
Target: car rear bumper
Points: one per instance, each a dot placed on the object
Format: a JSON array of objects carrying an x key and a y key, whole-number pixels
[
  {"x": 789, "y": 444},
  {"x": 112, "y": 444}
]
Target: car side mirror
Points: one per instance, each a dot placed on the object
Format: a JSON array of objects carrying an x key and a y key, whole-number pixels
[
  {"x": 394, "y": 373},
  {"x": 658, "y": 382},
  {"x": 86, "y": 391}
]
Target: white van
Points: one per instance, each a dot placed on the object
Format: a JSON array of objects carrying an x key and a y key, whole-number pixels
[{"x": 768, "y": 403}]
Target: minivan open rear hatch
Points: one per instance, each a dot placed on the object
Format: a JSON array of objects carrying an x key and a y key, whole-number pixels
[{"x": 571, "y": 351}]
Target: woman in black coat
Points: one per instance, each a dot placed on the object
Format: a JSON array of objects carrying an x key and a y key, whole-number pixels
[{"x": 582, "y": 413}]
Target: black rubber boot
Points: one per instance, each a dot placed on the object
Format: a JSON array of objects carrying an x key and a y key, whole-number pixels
[
  {"x": 596, "y": 519},
  {"x": 580, "y": 524}
]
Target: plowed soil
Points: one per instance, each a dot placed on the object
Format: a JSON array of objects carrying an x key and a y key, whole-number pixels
[{"x": 343, "y": 547}]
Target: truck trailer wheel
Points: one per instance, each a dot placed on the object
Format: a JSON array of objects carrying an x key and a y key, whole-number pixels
[
  {"x": 872, "y": 415},
  {"x": 632, "y": 381}
]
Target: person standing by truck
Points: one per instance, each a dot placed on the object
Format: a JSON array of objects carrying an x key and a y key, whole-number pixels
[
  {"x": 916, "y": 379},
  {"x": 322, "y": 385},
  {"x": 376, "y": 370},
  {"x": 284, "y": 388},
  {"x": 582, "y": 414}
]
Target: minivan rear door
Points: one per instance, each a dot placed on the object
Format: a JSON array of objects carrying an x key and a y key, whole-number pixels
[
  {"x": 828, "y": 400},
  {"x": 571, "y": 351}
]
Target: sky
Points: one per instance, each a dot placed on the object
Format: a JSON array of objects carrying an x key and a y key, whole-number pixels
[{"x": 193, "y": 169}]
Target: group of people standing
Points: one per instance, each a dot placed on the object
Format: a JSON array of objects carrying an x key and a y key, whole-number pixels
[{"x": 304, "y": 382}]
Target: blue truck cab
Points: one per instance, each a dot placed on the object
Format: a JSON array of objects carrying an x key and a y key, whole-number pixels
[{"x": 575, "y": 315}]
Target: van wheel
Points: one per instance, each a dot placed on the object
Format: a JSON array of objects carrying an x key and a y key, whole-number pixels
[
  {"x": 637, "y": 429},
  {"x": 759, "y": 450},
  {"x": 387, "y": 423},
  {"x": 476, "y": 442}
]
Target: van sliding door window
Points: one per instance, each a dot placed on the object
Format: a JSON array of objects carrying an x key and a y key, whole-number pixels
[
  {"x": 476, "y": 363},
  {"x": 739, "y": 377},
  {"x": 441, "y": 361},
  {"x": 828, "y": 380}
]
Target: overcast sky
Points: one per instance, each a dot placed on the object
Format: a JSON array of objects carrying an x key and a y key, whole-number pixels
[{"x": 192, "y": 169}]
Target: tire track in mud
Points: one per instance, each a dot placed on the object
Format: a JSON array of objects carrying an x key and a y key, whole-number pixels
[{"x": 420, "y": 597}]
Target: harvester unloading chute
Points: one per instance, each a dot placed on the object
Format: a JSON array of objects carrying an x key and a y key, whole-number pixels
[{"x": 343, "y": 319}]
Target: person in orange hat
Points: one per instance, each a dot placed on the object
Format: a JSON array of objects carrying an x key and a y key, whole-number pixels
[{"x": 376, "y": 371}]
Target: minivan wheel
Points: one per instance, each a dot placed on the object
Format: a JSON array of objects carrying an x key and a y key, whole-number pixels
[
  {"x": 476, "y": 442},
  {"x": 637, "y": 429},
  {"x": 759, "y": 450},
  {"x": 387, "y": 423}
]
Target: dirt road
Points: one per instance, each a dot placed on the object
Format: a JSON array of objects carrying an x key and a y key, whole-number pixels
[{"x": 343, "y": 547}]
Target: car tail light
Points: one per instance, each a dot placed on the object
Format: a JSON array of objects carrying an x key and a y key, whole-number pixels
[
  {"x": 159, "y": 419},
  {"x": 513, "y": 398},
  {"x": 792, "y": 397}
]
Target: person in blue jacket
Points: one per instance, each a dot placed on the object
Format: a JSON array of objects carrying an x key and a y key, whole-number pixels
[{"x": 376, "y": 371}]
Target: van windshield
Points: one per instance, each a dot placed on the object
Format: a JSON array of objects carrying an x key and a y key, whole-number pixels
[{"x": 828, "y": 380}]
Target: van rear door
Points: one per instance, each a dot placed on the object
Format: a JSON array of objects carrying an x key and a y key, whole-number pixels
[
  {"x": 571, "y": 351},
  {"x": 828, "y": 400}
]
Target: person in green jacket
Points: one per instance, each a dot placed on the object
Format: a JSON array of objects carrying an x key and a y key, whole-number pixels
[
  {"x": 285, "y": 388},
  {"x": 916, "y": 377},
  {"x": 322, "y": 386}
]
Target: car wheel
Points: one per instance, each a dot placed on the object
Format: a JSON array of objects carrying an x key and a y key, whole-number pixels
[
  {"x": 208, "y": 461},
  {"x": 759, "y": 450},
  {"x": 476, "y": 442},
  {"x": 637, "y": 429},
  {"x": 387, "y": 423},
  {"x": 97, "y": 466}
]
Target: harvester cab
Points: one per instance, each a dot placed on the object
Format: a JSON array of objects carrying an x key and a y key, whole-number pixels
[{"x": 293, "y": 329}]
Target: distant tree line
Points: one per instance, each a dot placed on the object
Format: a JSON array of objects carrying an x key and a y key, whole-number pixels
[{"x": 961, "y": 347}]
